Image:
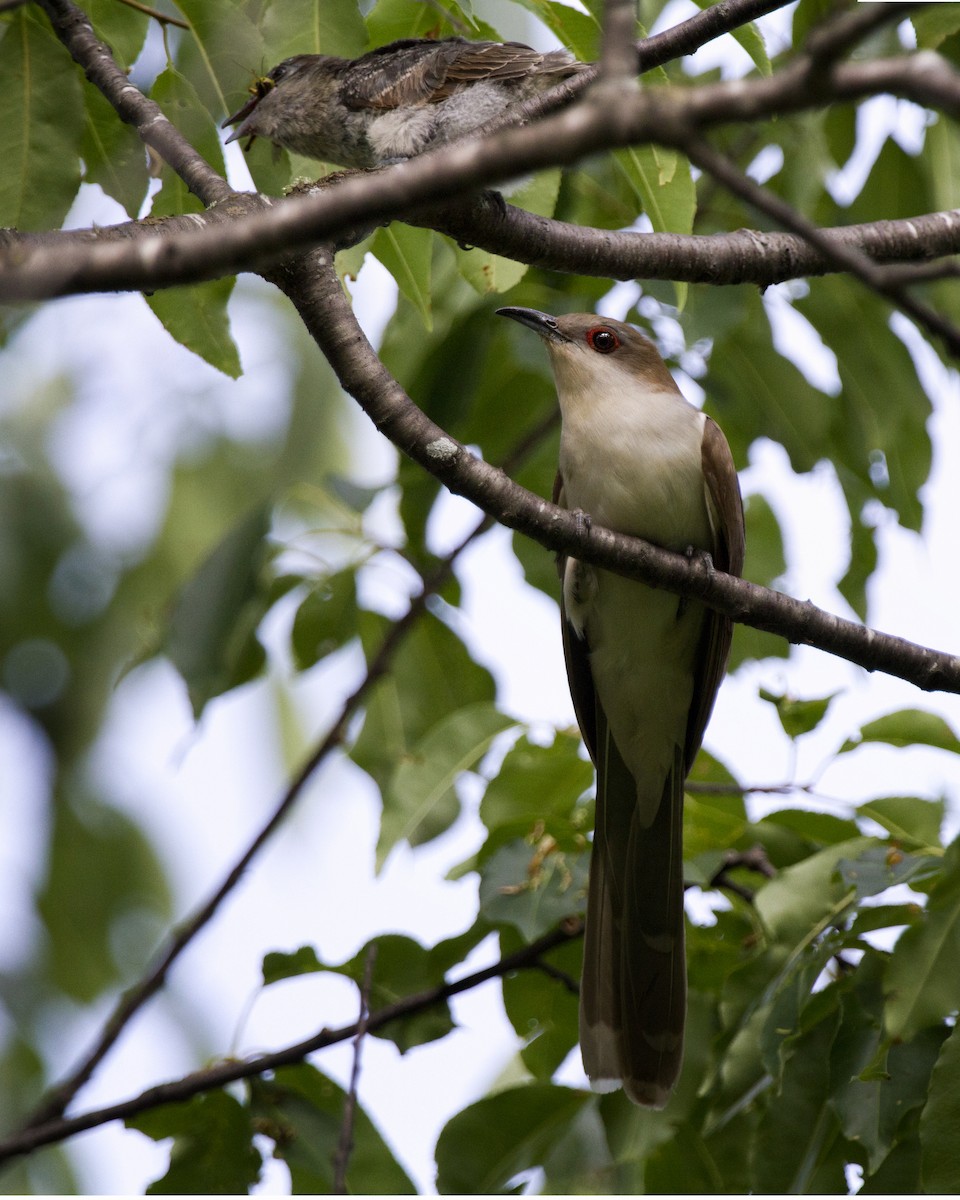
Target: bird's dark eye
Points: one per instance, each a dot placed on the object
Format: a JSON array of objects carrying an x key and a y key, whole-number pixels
[{"x": 603, "y": 340}]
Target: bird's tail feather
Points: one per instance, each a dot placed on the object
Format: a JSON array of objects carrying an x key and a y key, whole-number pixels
[{"x": 633, "y": 990}]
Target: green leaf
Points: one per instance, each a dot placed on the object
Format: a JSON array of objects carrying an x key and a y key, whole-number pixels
[
  {"x": 751, "y": 39},
  {"x": 533, "y": 888},
  {"x": 908, "y": 727},
  {"x": 798, "y": 716},
  {"x": 407, "y": 253},
  {"x": 403, "y": 968},
  {"x": 792, "y": 1144},
  {"x": 482, "y": 1148},
  {"x": 907, "y": 818},
  {"x": 213, "y": 1149},
  {"x": 882, "y": 867},
  {"x": 419, "y": 802},
  {"x": 934, "y": 24},
  {"x": 196, "y": 317},
  {"x": 940, "y": 1146},
  {"x": 302, "y": 1111},
  {"x": 579, "y": 32},
  {"x": 663, "y": 184},
  {"x": 211, "y": 636},
  {"x": 543, "y": 1008},
  {"x": 765, "y": 563},
  {"x": 804, "y": 896},
  {"x": 876, "y": 1085},
  {"x": 278, "y": 965},
  {"x": 885, "y": 447},
  {"x": 113, "y": 155},
  {"x": 536, "y": 793},
  {"x": 923, "y": 973},
  {"x": 712, "y": 823},
  {"x": 103, "y": 899},
  {"x": 42, "y": 103},
  {"x": 393, "y": 19},
  {"x": 313, "y": 27},
  {"x": 432, "y": 675},
  {"x": 182, "y": 105},
  {"x": 122, "y": 27},
  {"x": 325, "y": 620},
  {"x": 224, "y": 50}
]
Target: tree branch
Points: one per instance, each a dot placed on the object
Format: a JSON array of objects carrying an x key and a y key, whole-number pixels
[
  {"x": 75, "y": 31},
  {"x": 312, "y": 285},
  {"x": 528, "y": 957},
  {"x": 649, "y": 115},
  {"x": 345, "y": 1144}
]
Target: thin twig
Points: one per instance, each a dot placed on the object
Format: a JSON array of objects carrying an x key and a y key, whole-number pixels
[
  {"x": 156, "y": 14},
  {"x": 754, "y": 859},
  {"x": 56, "y": 1100},
  {"x": 527, "y": 957},
  {"x": 345, "y": 1144},
  {"x": 847, "y": 257}
]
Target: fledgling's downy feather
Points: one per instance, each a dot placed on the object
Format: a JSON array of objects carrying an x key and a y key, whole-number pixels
[{"x": 396, "y": 101}]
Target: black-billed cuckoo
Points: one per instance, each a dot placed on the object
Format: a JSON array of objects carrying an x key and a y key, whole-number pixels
[
  {"x": 644, "y": 667},
  {"x": 396, "y": 101}
]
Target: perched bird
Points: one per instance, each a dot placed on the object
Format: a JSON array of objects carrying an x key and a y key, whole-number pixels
[
  {"x": 644, "y": 667},
  {"x": 396, "y": 101}
]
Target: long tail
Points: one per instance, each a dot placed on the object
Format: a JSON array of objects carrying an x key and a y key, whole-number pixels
[{"x": 633, "y": 993}]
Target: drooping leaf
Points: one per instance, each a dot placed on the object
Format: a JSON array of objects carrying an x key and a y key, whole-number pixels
[
  {"x": 40, "y": 135},
  {"x": 211, "y": 636},
  {"x": 908, "y": 818},
  {"x": 908, "y": 727},
  {"x": 102, "y": 879},
  {"x": 533, "y": 887},
  {"x": 798, "y": 716},
  {"x": 325, "y": 620},
  {"x": 482, "y": 1148},
  {"x": 491, "y": 273},
  {"x": 182, "y": 105},
  {"x": 213, "y": 1150},
  {"x": 419, "y": 801},
  {"x": 923, "y": 974},
  {"x": 114, "y": 156},
  {"x": 432, "y": 676},
  {"x": 196, "y": 316},
  {"x": 940, "y": 1148},
  {"x": 407, "y": 253},
  {"x": 543, "y": 1008},
  {"x": 301, "y": 1110}
]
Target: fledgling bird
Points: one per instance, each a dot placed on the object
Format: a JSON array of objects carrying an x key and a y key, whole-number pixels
[
  {"x": 644, "y": 667},
  {"x": 396, "y": 101}
]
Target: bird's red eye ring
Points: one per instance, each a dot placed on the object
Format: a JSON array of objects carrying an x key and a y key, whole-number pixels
[{"x": 603, "y": 340}]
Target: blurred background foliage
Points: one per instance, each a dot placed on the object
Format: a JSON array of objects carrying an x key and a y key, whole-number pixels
[{"x": 189, "y": 498}]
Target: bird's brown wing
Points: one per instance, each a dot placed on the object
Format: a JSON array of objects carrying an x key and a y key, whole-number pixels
[
  {"x": 420, "y": 71},
  {"x": 575, "y": 653},
  {"x": 725, "y": 510}
]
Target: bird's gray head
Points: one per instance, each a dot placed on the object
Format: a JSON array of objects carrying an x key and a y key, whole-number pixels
[
  {"x": 584, "y": 342},
  {"x": 277, "y": 97}
]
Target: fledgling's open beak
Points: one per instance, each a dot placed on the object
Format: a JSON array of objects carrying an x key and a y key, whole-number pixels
[{"x": 257, "y": 92}]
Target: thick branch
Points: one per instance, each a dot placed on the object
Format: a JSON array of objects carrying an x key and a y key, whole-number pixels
[
  {"x": 649, "y": 115},
  {"x": 313, "y": 287}
]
